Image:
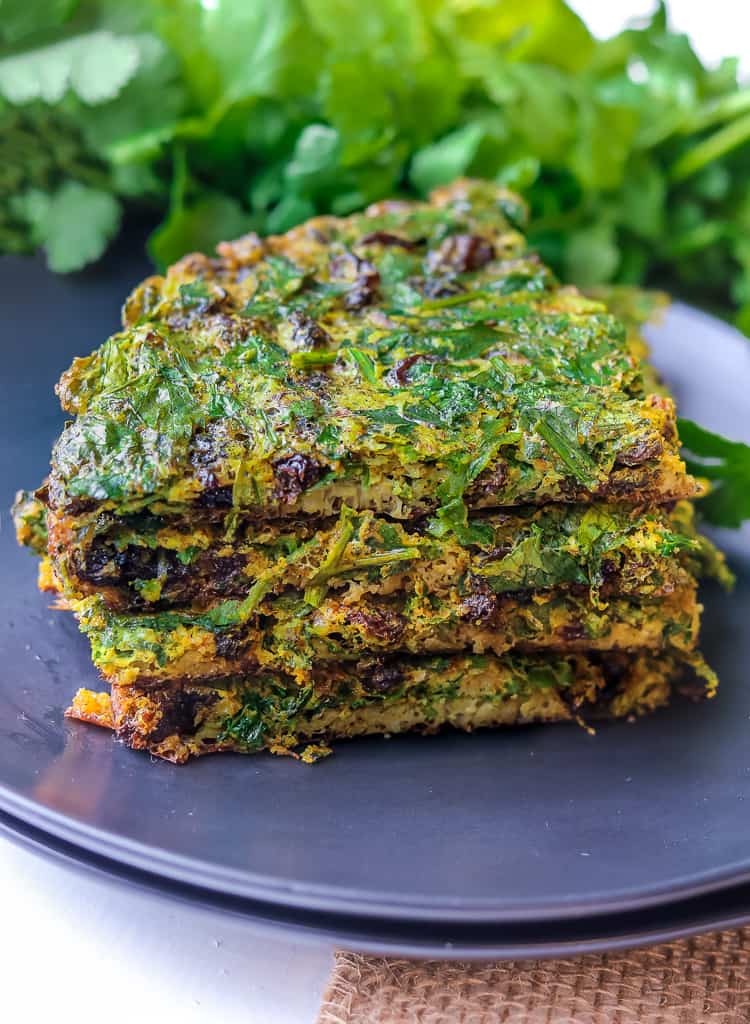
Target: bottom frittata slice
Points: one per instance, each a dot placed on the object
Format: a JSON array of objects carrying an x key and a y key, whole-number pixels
[{"x": 388, "y": 696}]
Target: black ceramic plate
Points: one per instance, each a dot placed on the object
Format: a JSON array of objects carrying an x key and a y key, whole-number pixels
[
  {"x": 539, "y": 824},
  {"x": 729, "y": 908}
]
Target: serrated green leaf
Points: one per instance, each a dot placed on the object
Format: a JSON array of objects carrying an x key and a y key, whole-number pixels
[
  {"x": 315, "y": 152},
  {"x": 263, "y": 48},
  {"x": 446, "y": 159},
  {"x": 199, "y": 226},
  {"x": 77, "y": 226},
  {"x": 290, "y": 211},
  {"x": 539, "y": 106},
  {"x": 94, "y": 67},
  {"x": 113, "y": 126},
  {"x": 102, "y": 67},
  {"x": 539, "y": 31},
  {"x": 727, "y": 465},
  {"x": 232, "y": 49},
  {"x": 32, "y": 207},
  {"x": 642, "y": 201},
  {"x": 603, "y": 141},
  {"x": 591, "y": 254}
]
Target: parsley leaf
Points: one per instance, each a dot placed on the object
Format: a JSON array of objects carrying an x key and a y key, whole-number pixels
[
  {"x": 558, "y": 426},
  {"x": 364, "y": 364},
  {"x": 74, "y": 224},
  {"x": 727, "y": 465},
  {"x": 94, "y": 66},
  {"x": 198, "y": 225}
]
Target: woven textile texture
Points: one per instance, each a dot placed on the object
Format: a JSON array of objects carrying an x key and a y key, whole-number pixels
[{"x": 703, "y": 980}]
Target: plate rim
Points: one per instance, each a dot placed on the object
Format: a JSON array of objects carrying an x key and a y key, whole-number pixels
[
  {"x": 374, "y": 936},
  {"x": 320, "y": 897}
]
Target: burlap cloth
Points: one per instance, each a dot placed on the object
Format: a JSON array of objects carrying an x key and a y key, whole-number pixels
[{"x": 703, "y": 980}]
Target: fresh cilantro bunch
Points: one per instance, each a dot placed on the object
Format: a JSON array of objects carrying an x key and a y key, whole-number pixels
[
  {"x": 74, "y": 79},
  {"x": 227, "y": 115}
]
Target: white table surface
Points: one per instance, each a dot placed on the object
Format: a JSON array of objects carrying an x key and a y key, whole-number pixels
[
  {"x": 78, "y": 948},
  {"x": 99, "y": 944}
]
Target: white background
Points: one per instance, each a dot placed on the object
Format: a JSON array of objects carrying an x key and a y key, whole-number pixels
[{"x": 75, "y": 948}]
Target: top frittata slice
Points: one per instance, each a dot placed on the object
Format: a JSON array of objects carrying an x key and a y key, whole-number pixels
[{"x": 414, "y": 359}]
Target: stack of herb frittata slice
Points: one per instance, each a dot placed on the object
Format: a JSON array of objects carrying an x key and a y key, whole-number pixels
[{"x": 379, "y": 473}]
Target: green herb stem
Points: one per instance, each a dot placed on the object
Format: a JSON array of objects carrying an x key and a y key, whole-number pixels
[
  {"x": 711, "y": 149},
  {"x": 312, "y": 360}
]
